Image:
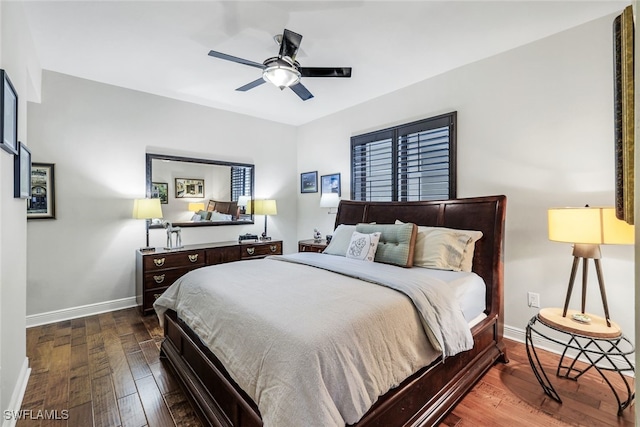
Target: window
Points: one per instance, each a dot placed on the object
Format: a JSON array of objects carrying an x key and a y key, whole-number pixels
[
  {"x": 241, "y": 181},
  {"x": 414, "y": 161}
]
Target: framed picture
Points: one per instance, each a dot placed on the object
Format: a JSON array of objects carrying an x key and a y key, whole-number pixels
[
  {"x": 160, "y": 190},
  {"x": 9, "y": 115},
  {"x": 189, "y": 187},
  {"x": 330, "y": 184},
  {"x": 41, "y": 204},
  {"x": 624, "y": 115},
  {"x": 309, "y": 182},
  {"x": 22, "y": 173}
]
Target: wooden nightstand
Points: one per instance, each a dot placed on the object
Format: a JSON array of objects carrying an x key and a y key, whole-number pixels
[{"x": 311, "y": 245}]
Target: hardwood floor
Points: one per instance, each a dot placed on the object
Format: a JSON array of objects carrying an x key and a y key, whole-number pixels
[{"x": 104, "y": 370}]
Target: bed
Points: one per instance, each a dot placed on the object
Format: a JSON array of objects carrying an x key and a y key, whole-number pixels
[{"x": 424, "y": 397}]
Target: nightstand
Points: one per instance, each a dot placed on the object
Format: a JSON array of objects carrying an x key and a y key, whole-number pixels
[
  {"x": 311, "y": 245},
  {"x": 604, "y": 349}
]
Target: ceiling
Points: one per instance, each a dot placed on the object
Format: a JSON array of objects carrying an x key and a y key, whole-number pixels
[{"x": 161, "y": 47}]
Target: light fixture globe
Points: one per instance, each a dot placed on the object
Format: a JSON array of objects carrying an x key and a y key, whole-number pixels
[{"x": 280, "y": 72}]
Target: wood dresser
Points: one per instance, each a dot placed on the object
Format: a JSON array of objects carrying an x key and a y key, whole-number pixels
[{"x": 156, "y": 271}]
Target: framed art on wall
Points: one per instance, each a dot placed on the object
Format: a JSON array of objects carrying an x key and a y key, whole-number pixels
[
  {"x": 330, "y": 183},
  {"x": 22, "y": 173},
  {"x": 309, "y": 182},
  {"x": 623, "y": 35},
  {"x": 41, "y": 205},
  {"x": 8, "y": 115},
  {"x": 189, "y": 187},
  {"x": 160, "y": 190}
]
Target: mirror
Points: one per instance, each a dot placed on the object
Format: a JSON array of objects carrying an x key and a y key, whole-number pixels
[{"x": 199, "y": 192}]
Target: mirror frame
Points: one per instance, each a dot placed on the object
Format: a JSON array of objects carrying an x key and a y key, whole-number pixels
[{"x": 149, "y": 172}]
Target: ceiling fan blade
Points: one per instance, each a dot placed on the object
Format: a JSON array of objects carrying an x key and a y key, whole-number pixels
[
  {"x": 290, "y": 44},
  {"x": 325, "y": 72},
  {"x": 251, "y": 85},
  {"x": 301, "y": 91},
  {"x": 235, "y": 59}
]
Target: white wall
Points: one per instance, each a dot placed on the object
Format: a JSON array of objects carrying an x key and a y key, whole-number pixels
[
  {"x": 18, "y": 59},
  {"x": 535, "y": 124},
  {"x": 97, "y": 135}
]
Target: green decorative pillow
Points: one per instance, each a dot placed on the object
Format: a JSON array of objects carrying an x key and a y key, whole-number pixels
[
  {"x": 204, "y": 215},
  {"x": 397, "y": 242}
]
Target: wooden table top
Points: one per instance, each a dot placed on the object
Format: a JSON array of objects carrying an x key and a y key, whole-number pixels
[{"x": 597, "y": 328}]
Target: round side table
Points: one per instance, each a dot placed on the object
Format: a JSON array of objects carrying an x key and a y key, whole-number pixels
[{"x": 604, "y": 348}]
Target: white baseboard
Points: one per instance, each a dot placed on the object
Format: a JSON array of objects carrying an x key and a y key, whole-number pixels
[
  {"x": 81, "y": 311},
  {"x": 517, "y": 334},
  {"x": 17, "y": 396}
]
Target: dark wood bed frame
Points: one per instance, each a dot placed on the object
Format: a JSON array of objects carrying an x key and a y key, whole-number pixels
[{"x": 423, "y": 399}]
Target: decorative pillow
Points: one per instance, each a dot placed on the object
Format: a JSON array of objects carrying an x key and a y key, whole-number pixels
[
  {"x": 363, "y": 246},
  {"x": 397, "y": 242},
  {"x": 438, "y": 247},
  {"x": 204, "y": 215},
  {"x": 340, "y": 240}
]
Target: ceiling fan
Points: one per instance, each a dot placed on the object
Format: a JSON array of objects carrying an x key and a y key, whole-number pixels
[{"x": 283, "y": 70}]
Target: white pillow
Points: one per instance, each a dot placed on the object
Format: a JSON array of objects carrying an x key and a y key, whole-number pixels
[
  {"x": 438, "y": 247},
  {"x": 363, "y": 246},
  {"x": 340, "y": 240}
]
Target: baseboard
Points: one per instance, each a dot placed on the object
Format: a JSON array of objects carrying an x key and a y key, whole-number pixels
[
  {"x": 81, "y": 311},
  {"x": 17, "y": 396},
  {"x": 517, "y": 334}
]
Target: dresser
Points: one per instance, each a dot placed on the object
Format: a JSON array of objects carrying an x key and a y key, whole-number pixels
[
  {"x": 312, "y": 245},
  {"x": 156, "y": 271}
]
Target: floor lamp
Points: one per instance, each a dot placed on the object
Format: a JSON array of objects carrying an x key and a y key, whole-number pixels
[{"x": 588, "y": 228}]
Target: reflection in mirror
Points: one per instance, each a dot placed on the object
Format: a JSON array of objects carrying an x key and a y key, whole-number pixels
[{"x": 197, "y": 192}]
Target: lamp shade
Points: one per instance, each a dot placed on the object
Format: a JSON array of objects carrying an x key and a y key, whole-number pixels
[
  {"x": 243, "y": 201},
  {"x": 265, "y": 207},
  {"x": 195, "y": 207},
  {"x": 329, "y": 200},
  {"x": 589, "y": 225},
  {"x": 147, "y": 208}
]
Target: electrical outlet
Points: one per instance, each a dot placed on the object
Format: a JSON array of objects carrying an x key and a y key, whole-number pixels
[{"x": 533, "y": 299}]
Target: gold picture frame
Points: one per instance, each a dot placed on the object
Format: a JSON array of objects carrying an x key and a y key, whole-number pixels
[{"x": 623, "y": 41}]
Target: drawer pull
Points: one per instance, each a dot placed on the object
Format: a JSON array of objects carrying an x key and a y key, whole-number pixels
[
  {"x": 274, "y": 248},
  {"x": 159, "y": 279},
  {"x": 193, "y": 257},
  {"x": 156, "y": 296},
  {"x": 159, "y": 262},
  {"x": 251, "y": 251}
]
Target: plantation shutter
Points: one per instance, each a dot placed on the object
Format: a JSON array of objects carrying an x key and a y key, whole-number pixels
[{"x": 240, "y": 182}]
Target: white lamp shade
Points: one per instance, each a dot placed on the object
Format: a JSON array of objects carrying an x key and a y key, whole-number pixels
[
  {"x": 329, "y": 200},
  {"x": 195, "y": 207},
  {"x": 243, "y": 201},
  {"x": 281, "y": 75},
  {"x": 265, "y": 207},
  {"x": 147, "y": 208},
  {"x": 589, "y": 225}
]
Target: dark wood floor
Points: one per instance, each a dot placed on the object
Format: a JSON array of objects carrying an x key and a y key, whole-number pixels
[{"x": 105, "y": 371}]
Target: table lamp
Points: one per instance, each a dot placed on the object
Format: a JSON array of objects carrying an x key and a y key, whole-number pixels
[
  {"x": 195, "y": 207},
  {"x": 588, "y": 228},
  {"x": 147, "y": 209},
  {"x": 243, "y": 202},
  {"x": 329, "y": 200},
  {"x": 266, "y": 208}
]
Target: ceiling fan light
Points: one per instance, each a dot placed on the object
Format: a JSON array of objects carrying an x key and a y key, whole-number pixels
[{"x": 281, "y": 75}]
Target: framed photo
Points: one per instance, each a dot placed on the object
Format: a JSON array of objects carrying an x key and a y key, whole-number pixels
[
  {"x": 189, "y": 187},
  {"x": 623, "y": 35},
  {"x": 22, "y": 173},
  {"x": 330, "y": 184},
  {"x": 309, "y": 182},
  {"x": 160, "y": 190},
  {"x": 41, "y": 205},
  {"x": 9, "y": 115}
]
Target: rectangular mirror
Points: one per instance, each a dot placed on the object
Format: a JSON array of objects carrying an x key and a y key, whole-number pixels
[{"x": 199, "y": 192}]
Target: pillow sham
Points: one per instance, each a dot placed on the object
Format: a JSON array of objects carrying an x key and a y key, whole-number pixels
[
  {"x": 340, "y": 240},
  {"x": 397, "y": 242},
  {"x": 363, "y": 246},
  {"x": 445, "y": 248}
]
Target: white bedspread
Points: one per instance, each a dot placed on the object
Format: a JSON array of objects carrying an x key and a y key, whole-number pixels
[{"x": 311, "y": 347}]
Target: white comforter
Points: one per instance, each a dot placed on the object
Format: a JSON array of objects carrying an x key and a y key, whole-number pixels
[{"x": 312, "y": 347}]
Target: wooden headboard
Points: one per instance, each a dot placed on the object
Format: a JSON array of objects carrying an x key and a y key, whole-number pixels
[{"x": 486, "y": 214}]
